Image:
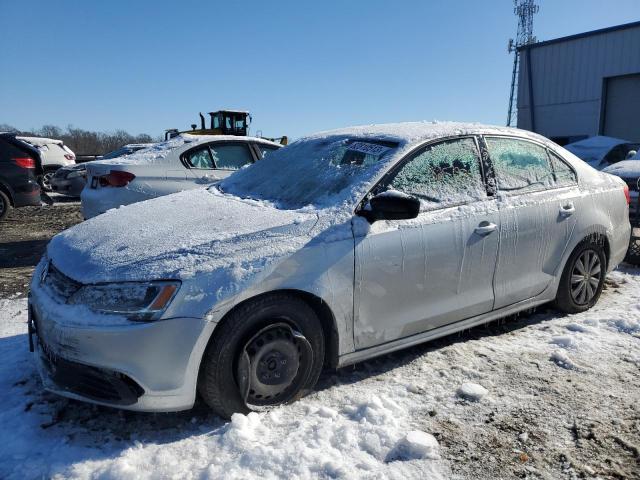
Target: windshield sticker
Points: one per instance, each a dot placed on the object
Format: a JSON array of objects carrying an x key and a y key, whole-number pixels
[{"x": 368, "y": 148}]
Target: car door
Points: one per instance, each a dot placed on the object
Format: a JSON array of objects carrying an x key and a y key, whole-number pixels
[
  {"x": 539, "y": 206},
  {"x": 415, "y": 275}
]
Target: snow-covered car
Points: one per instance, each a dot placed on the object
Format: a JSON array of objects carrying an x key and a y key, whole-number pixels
[
  {"x": 601, "y": 152},
  {"x": 342, "y": 246},
  {"x": 629, "y": 171},
  {"x": 181, "y": 163},
  {"x": 54, "y": 153}
]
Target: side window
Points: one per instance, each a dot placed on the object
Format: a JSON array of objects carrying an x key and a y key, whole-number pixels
[
  {"x": 520, "y": 166},
  {"x": 199, "y": 158},
  {"x": 231, "y": 156},
  {"x": 563, "y": 173},
  {"x": 443, "y": 174}
]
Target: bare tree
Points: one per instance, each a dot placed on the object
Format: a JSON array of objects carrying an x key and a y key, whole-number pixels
[{"x": 85, "y": 142}]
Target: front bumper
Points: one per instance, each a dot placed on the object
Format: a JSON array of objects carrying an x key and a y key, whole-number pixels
[{"x": 138, "y": 366}]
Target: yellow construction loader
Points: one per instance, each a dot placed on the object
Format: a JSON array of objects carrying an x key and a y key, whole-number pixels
[{"x": 223, "y": 122}]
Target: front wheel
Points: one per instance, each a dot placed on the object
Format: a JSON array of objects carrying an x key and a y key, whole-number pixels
[
  {"x": 582, "y": 279},
  {"x": 268, "y": 352}
]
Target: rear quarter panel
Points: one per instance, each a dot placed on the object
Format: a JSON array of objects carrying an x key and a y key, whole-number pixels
[{"x": 602, "y": 208}]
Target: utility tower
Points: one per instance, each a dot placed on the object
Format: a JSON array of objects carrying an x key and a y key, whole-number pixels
[{"x": 524, "y": 10}]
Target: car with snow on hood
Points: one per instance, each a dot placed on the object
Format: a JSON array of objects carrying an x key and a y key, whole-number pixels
[
  {"x": 601, "y": 152},
  {"x": 181, "y": 163},
  {"x": 342, "y": 246}
]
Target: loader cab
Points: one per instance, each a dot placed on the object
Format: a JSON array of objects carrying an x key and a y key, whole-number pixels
[{"x": 230, "y": 122}]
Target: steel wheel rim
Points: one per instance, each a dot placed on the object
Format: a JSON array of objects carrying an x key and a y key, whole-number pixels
[
  {"x": 585, "y": 277},
  {"x": 46, "y": 180}
]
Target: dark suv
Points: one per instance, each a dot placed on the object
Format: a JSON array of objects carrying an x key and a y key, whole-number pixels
[{"x": 20, "y": 165}]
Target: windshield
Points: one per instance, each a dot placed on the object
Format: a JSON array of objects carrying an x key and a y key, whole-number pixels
[{"x": 320, "y": 172}]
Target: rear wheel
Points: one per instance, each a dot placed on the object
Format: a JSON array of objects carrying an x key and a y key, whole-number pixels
[
  {"x": 5, "y": 205},
  {"x": 582, "y": 279},
  {"x": 268, "y": 352}
]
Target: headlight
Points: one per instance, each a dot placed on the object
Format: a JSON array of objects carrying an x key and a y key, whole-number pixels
[{"x": 136, "y": 301}]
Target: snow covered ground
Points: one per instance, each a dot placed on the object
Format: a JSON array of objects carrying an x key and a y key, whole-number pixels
[{"x": 538, "y": 396}]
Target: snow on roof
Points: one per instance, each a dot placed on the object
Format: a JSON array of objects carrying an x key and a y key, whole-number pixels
[
  {"x": 39, "y": 141},
  {"x": 594, "y": 149},
  {"x": 157, "y": 152},
  {"x": 413, "y": 132}
]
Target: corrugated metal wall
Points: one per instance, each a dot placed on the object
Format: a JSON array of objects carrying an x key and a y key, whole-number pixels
[{"x": 567, "y": 78}]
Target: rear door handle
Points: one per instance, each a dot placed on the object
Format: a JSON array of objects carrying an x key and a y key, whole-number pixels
[
  {"x": 485, "y": 228},
  {"x": 567, "y": 210}
]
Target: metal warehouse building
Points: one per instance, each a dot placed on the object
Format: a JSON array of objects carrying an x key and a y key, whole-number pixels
[{"x": 582, "y": 85}]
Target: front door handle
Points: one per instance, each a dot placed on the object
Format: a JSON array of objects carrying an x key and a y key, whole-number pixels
[
  {"x": 567, "y": 210},
  {"x": 485, "y": 228}
]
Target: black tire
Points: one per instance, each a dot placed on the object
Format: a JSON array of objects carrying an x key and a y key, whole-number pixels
[
  {"x": 5, "y": 205},
  {"x": 566, "y": 298},
  {"x": 217, "y": 383}
]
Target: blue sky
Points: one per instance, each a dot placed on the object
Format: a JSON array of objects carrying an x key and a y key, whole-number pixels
[{"x": 298, "y": 66}]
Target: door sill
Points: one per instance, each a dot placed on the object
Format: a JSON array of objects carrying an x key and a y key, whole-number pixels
[{"x": 392, "y": 346}]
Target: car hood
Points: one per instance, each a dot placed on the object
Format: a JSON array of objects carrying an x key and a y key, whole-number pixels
[{"x": 179, "y": 236}]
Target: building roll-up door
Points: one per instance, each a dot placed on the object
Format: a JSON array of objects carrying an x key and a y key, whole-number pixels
[{"x": 622, "y": 107}]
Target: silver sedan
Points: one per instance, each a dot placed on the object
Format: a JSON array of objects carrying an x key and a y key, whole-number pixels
[{"x": 342, "y": 246}]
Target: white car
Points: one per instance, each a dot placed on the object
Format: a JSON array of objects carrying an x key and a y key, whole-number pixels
[
  {"x": 181, "y": 163},
  {"x": 54, "y": 153}
]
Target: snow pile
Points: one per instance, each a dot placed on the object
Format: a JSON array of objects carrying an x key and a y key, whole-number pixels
[
  {"x": 472, "y": 391},
  {"x": 417, "y": 444}
]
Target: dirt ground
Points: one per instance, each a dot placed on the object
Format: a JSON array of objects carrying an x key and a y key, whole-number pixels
[{"x": 24, "y": 235}]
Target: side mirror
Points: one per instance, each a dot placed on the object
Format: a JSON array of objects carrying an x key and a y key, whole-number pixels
[{"x": 392, "y": 205}]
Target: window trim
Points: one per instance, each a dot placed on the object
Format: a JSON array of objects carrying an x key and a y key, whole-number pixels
[
  {"x": 208, "y": 146},
  {"x": 187, "y": 163},
  {"x": 384, "y": 179},
  {"x": 570, "y": 167},
  {"x": 258, "y": 148},
  {"x": 547, "y": 150}
]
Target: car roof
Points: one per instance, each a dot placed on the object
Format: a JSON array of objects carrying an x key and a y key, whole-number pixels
[{"x": 408, "y": 133}]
